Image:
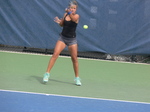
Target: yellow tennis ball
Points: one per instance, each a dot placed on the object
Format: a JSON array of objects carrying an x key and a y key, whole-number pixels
[{"x": 85, "y": 26}]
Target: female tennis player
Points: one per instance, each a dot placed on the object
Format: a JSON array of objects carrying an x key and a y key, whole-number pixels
[{"x": 67, "y": 38}]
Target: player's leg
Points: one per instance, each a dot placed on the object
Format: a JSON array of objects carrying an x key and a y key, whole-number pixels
[
  {"x": 58, "y": 48},
  {"x": 73, "y": 52}
]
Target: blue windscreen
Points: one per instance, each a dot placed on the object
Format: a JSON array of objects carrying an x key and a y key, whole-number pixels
[{"x": 115, "y": 26}]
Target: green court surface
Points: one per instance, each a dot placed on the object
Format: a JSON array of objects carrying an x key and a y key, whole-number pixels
[{"x": 100, "y": 79}]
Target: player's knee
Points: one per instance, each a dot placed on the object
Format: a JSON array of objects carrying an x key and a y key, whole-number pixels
[
  {"x": 55, "y": 55},
  {"x": 74, "y": 59}
]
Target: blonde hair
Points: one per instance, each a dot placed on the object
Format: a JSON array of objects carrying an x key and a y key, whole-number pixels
[{"x": 73, "y": 2}]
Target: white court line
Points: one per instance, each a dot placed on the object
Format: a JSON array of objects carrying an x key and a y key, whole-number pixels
[
  {"x": 78, "y": 97},
  {"x": 69, "y": 57}
]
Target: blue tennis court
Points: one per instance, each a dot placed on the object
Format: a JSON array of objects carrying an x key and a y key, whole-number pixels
[{"x": 14, "y": 101}]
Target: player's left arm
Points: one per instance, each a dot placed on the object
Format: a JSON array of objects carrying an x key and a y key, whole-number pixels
[{"x": 60, "y": 21}]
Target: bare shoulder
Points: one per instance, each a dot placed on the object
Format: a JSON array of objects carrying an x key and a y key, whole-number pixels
[{"x": 77, "y": 16}]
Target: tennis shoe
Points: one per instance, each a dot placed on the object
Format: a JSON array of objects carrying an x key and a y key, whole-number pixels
[
  {"x": 46, "y": 77},
  {"x": 78, "y": 81}
]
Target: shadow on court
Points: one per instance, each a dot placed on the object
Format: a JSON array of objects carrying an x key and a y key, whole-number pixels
[
  {"x": 61, "y": 81},
  {"x": 40, "y": 80}
]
